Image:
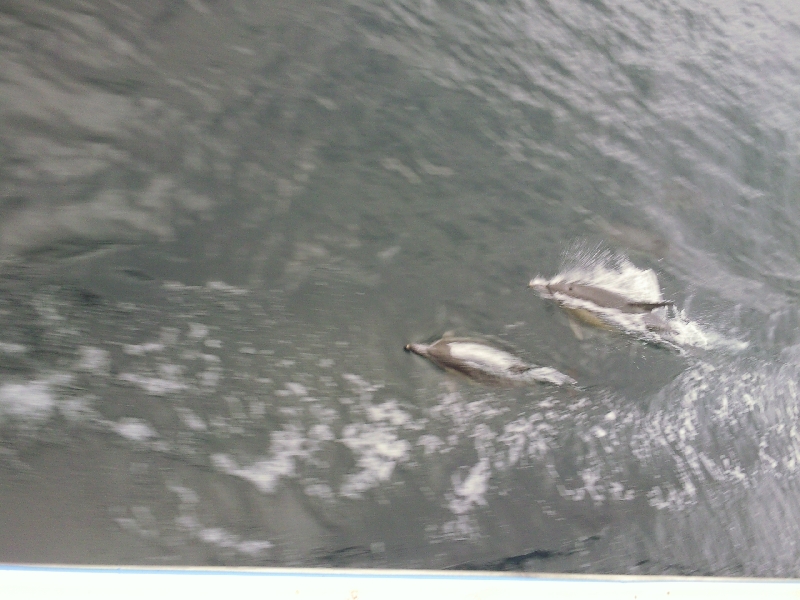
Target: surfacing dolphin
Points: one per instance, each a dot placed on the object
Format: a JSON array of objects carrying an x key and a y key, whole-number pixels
[
  {"x": 595, "y": 300},
  {"x": 484, "y": 363},
  {"x": 602, "y": 297}
]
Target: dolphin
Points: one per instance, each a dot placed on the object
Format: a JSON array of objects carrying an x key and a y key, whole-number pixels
[
  {"x": 484, "y": 363},
  {"x": 602, "y": 299}
]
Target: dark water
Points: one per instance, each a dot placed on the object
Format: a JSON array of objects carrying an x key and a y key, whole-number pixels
[{"x": 220, "y": 222}]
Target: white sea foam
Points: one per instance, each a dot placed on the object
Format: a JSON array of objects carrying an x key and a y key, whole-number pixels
[
  {"x": 609, "y": 270},
  {"x": 93, "y": 360},
  {"x": 286, "y": 446},
  {"x": 155, "y": 386},
  {"x": 197, "y": 331},
  {"x": 297, "y": 389},
  {"x": 12, "y": 348},
  {"x": 689, "y": 333},
  {"x": 742, "y": 400},
  {"x": 142, "y": 349},
  {"x": 135, "y": 430},
  {"x": 430, "y": 443},
  {"x": 215, "y": 536},
  {"x": 224, "y": 539},
  {"x": 211, "y": 377},
  {"x": 191, "y": 419},
  {"x": 320, "y": 490},
  {"x": 187, "y": 496},
  {"x": 77, "y": 409},
  {"x": 321, "y": 432},
  {"x": 472, "y": 489},
  {"x": 388, "y": 411},
  {"x": 30, "y": 402},
  {"x": 221, "y": 286},
  {"x": 378, "y": 450}
]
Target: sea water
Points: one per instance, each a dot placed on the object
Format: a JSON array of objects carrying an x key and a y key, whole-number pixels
[{"x": 220, "y": 223}]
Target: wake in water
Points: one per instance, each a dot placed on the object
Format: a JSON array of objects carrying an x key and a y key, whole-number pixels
[{"x": 606, "y": 290}]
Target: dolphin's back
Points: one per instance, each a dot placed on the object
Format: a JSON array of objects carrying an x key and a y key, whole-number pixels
[{"x": 604, "y": 298}]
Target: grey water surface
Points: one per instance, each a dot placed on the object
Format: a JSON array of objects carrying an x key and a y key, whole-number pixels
[{"x": 222, "y": 220}]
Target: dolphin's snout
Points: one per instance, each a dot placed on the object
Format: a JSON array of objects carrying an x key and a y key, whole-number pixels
[
  {"x": 538, "y": 284},
  {"x": 416, "y": 348}
]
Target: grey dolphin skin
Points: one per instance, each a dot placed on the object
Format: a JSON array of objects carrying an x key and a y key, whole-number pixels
[
  {"x": 604, "y": 298},
  {"x": 481, "y": 362}
]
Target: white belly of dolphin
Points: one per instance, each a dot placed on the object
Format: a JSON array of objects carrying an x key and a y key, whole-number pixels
[{"x": 486, "y": 356}]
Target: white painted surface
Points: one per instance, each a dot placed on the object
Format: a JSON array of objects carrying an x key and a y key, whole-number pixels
[{"x": 88, "y": 583}]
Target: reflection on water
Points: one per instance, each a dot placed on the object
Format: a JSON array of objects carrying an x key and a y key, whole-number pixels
[{"x": 221, "y": 222}]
